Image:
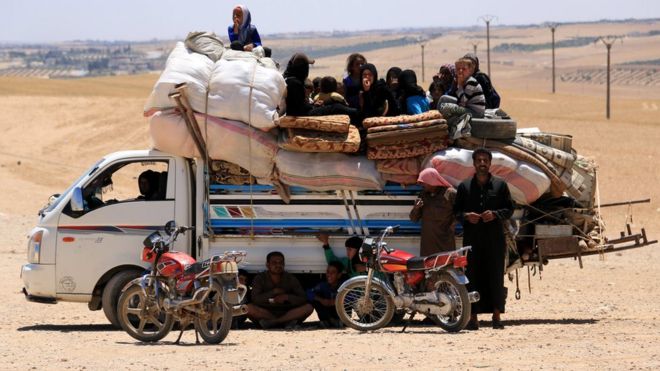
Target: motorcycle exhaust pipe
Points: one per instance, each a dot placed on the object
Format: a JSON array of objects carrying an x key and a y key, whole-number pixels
[
  {"x": 200, "y": 295},
  {"x": 474, "y": 296}
]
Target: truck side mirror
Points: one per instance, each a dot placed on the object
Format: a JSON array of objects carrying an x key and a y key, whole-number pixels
[{"x": 77, "y": 203}]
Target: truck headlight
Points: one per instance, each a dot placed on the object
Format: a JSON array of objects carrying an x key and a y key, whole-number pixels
[{"x": 34, "y": 248}]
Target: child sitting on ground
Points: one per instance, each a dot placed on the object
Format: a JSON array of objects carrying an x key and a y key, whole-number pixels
[{"x": 323, "y": 296}]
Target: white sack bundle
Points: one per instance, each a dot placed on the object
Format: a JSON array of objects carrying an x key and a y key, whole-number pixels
[{"x": 232, "y": 141}]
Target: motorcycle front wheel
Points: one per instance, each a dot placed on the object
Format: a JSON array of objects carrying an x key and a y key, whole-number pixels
[
  {"x": 140, "y": 316},
  {"x": 461, "y": 308},
  {"x": 214, "y": 320},
  {"x": 362, "y": 311}
]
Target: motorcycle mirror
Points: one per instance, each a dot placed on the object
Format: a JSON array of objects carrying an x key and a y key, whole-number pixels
[{"x": 170, "y": 227}]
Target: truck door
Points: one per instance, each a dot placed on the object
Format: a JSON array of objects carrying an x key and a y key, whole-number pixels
[{"x": 124, "y": 202}]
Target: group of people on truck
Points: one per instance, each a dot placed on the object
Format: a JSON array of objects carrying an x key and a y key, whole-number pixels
[{"x": 481, "y": 202}]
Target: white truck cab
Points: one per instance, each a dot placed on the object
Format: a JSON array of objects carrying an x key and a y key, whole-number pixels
[{"x": 88, "y": 241}]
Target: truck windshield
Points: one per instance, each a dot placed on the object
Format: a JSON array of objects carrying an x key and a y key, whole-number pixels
[{"x": 87, "y": 173}]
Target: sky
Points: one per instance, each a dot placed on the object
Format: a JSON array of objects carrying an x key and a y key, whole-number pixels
[{"x": 34, "y": 21}]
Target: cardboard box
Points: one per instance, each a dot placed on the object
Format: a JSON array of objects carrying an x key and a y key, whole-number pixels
[{"x": 549, "y": 231}]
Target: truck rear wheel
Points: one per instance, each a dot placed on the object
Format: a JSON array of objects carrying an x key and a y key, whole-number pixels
[{"x": 111, "y": 294}]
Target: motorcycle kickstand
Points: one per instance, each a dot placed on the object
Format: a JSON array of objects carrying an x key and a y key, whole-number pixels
[
  {"x": 405, "y": 326},
  {"x": 183, "y": 325}
]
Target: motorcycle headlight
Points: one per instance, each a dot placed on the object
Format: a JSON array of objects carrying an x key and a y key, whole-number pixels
[{"x": 34, "y": 248}]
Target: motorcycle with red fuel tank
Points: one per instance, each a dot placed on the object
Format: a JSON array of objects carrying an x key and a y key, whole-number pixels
[
  {"x": 179, "y": 289},
  {"x": 397, "y": 280}
]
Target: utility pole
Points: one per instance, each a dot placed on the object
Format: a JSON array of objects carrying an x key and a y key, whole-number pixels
[
  {"x": 488, "y": 19},
  {"x": 608, "y": 41},
  {"x": 474, "y": 47},
  {"x": 423, "y": 79},
  {"x": 553, "y": 27}
]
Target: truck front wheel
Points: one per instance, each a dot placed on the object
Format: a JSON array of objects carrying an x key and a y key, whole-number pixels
[{"x": 111, "y": 294}]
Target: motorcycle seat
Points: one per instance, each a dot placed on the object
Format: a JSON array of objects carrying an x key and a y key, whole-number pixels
[{"x": 425, "y": 262}]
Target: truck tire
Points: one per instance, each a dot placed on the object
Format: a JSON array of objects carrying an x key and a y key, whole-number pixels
[
  {"x": 111, "y": 294},
  {"x": 493, "y": 128}
]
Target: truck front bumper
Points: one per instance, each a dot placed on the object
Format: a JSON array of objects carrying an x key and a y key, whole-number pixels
[{"x": 39, "y": 282}]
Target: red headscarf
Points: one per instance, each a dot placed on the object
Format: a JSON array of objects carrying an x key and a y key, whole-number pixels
[{"x": 431, "y": 177}]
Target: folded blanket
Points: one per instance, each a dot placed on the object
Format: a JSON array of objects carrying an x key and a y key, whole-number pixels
[
  {"x": 330, "y": 123},
  {"x": 400, "y": 178},
  {"x": 400, "y": 166},
  {"x": 412, "y": 125},
  {"x": 401, "y": 119},
  {"x": 558, "y": 141},
  {"x": 434, "y": 133},
  {"x": 404, "y": 150},
  {"x": 301, "y": 140}
]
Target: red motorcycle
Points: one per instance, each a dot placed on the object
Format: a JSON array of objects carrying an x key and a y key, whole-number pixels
[
  {"x": 179, "y": 289},
  {"x": 397, "y": 280}
]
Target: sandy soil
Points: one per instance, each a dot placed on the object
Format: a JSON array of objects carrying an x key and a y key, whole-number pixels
[{"x": 605, "y": 316}]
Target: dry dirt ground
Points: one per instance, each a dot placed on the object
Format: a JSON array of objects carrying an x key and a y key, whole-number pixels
[{"x": 605, "y": 316}]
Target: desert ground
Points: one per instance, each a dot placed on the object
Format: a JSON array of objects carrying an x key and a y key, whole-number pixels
[{"x": 604, "y": 316}]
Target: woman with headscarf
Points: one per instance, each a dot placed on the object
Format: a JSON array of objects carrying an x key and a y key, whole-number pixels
[
  {"x": 243, "y": 35},
  {"x": 375, "y": 98},
  {"x": 412, "y": 97},
  {"x": 434, "y": 207}
]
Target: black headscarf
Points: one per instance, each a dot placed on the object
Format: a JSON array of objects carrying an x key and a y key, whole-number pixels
[
  {"x": 408, "y": 85},
  {"x": 374, "y": 99}
]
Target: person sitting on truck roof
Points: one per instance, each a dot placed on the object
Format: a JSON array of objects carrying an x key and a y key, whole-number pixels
[
  {"x": 412, "y": 98},
  {"x": 469, "y": 99},
  {"x": 353, "y": 266},
  {"x": 328, "y": 93},
  {"x": 375, "y": 98},
  {"x": 278, "y": 298},
  {"x": 323, "y": 296},
  {"x": 243, "y": 35},
  {"x": 297, "y": 102},
  {"x": 492, "y": 98},
  {"x": 352, "y": 79}
]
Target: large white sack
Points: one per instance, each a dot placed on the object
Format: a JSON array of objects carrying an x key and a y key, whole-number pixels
[
  {"x": 186, "y": 66},
  {"x": 232, "y": 141},
  {"x": 243, "y": 88},
  {"x": 526, "y": 181},
  {"x": 327, "y": 171}
]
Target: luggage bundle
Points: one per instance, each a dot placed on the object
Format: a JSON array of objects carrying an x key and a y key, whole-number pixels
[{"x": 399, "y": 143}]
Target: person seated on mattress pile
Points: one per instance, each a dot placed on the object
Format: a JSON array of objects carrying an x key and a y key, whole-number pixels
[
  {"x": 328, "y": 93},
  {"x": 317, "y": 87},
  {"x": 435, "y": 93},
  {"x": 446, "y": 78},
  {"x": 352, "y": 79},
  {"x": 297, "y": 104},
  {"x": 243, "y": 35},
  {"x": 412, "y": 98},
  {"x": 375, "y": 98},
  {"x": 392, "y": 81},
  {"x": 492, "y": 98},
  {"x": 468, "y": 101}
]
